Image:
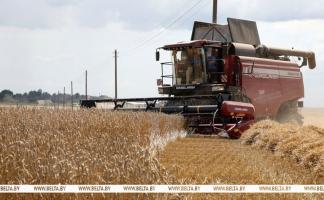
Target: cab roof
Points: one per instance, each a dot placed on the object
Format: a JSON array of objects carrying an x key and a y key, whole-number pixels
[{"x": 191, "y": 44}]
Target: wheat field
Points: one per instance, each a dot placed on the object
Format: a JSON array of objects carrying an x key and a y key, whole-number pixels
[
  {"x": 268, "y": 153},
  {"x": 47, "y": 146},
  {"x": 303, "y": 145}
]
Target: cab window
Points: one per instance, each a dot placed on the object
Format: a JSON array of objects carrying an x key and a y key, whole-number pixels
[{"x": 188, "y": 65}]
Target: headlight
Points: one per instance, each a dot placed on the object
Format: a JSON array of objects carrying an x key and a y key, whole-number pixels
[{"x": 218, "y": 88}]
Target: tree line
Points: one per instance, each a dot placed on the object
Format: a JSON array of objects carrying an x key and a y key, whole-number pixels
[{"x": 34, "y": 96}]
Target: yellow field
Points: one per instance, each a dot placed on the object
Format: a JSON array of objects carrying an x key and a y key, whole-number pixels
[
  {"x": 304, "y": 145},
  {"x": 42, "y": 146},
  {"x": 223, "y": 161},
  {"x": 313, "y": 116},
  {"x": 46, "y": 146},
  {"x": 280, "y": 154}
]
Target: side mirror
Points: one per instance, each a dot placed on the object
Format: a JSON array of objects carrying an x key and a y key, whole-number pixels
[
  {"x": 159, "y": 82},
  {"x": 157, "y": 56}
]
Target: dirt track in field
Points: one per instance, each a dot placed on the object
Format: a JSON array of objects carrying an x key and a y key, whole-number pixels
[{"x": 223, "y": 161}]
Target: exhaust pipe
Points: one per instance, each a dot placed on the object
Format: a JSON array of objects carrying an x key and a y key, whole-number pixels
[{"x": 265, "y": 51}]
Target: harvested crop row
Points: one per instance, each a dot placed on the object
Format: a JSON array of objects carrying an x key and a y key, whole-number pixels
[
  {"x": 42, "y": 146},
  {"x": 303, "y": 144}
]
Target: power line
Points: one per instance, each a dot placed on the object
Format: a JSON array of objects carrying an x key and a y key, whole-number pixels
[
  {"x": 171, "y": 24},
  {"x": 169, "y": 18},
  {"x": 168, "y": 26},
  {"x": 184, "y": 21}
]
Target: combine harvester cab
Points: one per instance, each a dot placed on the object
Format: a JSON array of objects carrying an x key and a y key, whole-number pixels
[{"x": 224, "y": 79}]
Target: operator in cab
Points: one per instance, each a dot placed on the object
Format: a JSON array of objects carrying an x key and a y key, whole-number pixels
[{"x": 215, "y": 65}]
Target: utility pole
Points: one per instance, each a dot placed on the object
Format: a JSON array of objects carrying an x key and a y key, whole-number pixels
[
  {"x": 58, "y": 99},
  {"x": 86, "y": 84},
  {"x": 115, "y": 55},
  {"x": 72, "y": 95},
  {"x": 215, "y": 11},
  {"x": 64, "y": 97}
]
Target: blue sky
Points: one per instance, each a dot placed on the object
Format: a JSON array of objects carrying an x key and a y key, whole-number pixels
[{"x": 47, "y": 43}]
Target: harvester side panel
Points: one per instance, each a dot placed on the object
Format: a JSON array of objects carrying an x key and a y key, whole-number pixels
[{"x": 270, "y": 83}]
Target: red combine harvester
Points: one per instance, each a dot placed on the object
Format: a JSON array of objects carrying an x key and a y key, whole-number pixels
[{"x": 224, "y": 79}]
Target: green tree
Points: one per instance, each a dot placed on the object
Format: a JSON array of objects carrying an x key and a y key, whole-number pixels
[{"x": 5, "y": 93}]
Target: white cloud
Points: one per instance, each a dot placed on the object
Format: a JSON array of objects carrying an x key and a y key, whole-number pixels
[
  {"x": 46, "y": 44},
  {"x": 144, "y": 14}
]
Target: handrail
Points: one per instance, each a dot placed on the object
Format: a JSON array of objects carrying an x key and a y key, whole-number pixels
[{"x": 166, "y": 76}]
